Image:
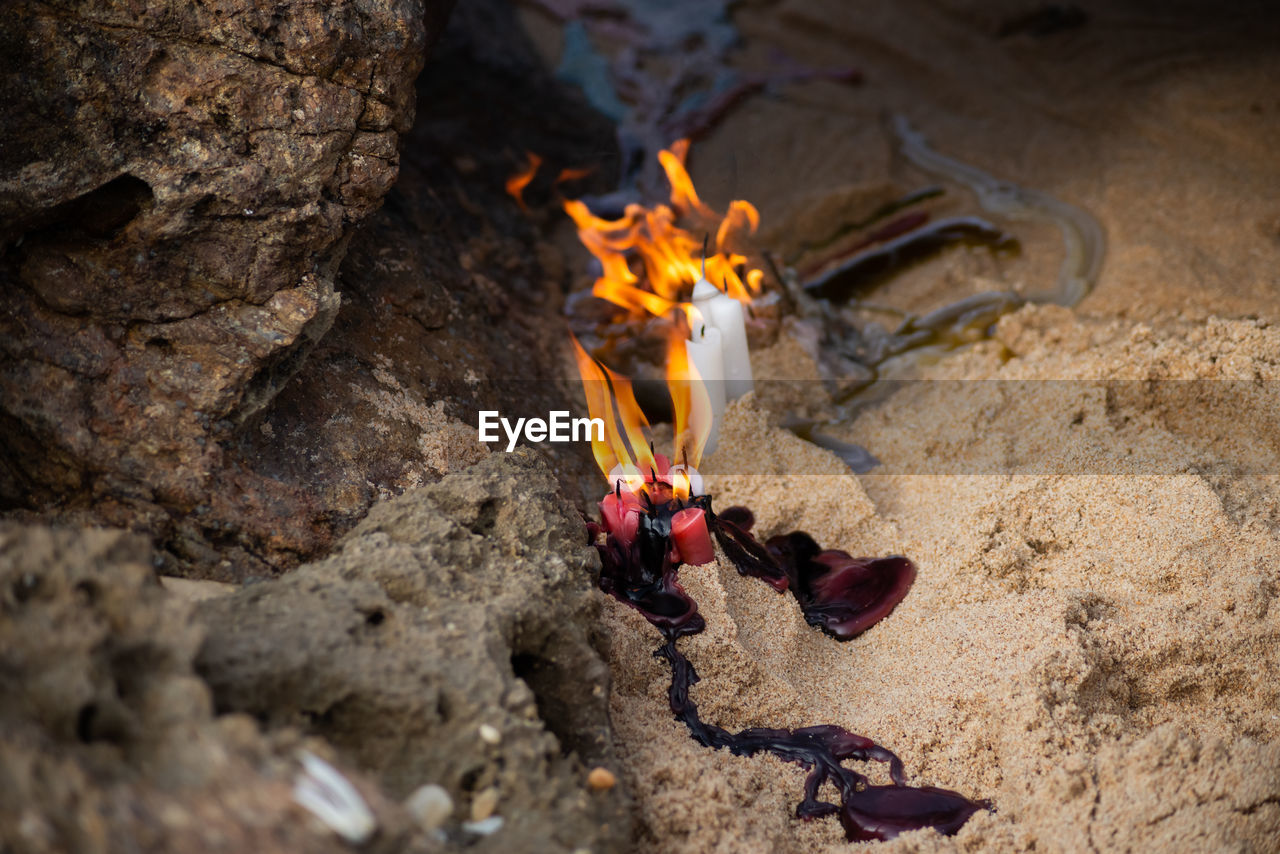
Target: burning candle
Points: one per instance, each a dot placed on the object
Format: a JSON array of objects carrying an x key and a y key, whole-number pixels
[
  {"x": 691, "y": 537},
  {"x": 723, "y": 313},
  {"x": 620, "y": 512},
  {"x": 706, "y": 352},
  {"x": 692, "y": 479}
]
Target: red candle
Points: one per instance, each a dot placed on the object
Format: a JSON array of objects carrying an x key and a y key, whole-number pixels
[
  {"x": 661, "y": 465},
  {"x": 620, "y": 513},
  {"x": 689, "y": 532}
]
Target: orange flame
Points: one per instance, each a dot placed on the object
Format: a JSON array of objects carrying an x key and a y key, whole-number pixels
[
  {"x": 668, "y": 257},
  {"x": 626, "y": 445},
  {"x": 692, "y": 406},
  {"x": 624, "y": 451},
  {"x": 649, "y": 264},
  {"x": 517, "y": 182},
  {"x": 569, "y": 174}
]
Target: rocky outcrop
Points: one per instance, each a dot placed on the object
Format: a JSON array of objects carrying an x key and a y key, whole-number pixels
[
  {"x": 108, "y": 738},
  {"x": 445, "y": 642},
  {"x": 448, "y": 642},
  {"x": 452, "y": 296},
  {"x": 176, "y": 223},
  {"x": 177, "y": 185}
]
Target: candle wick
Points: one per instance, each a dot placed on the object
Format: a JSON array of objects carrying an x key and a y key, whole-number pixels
[
  {"x": 703, "y": 331},
  {"x": 705, "y": 237}
]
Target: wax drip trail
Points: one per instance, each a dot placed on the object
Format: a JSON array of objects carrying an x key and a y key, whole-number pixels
[{"x": 840, "y": 594}]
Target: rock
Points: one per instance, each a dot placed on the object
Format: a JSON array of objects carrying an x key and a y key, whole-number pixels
[
  {"x": 452, "y": 295},
  {"x": 177, "y": 187},
  {"x": 171, "y": 257},
  {"x": 485, "y": 804},
  {"x": 469, "y": 599},
  {"x": 601, "y": 779},
  {"x": 108, "y": 739},
  {"x": 168, "y": 158}
]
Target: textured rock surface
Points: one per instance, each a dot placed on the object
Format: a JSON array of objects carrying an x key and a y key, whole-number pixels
[
  {"x": 452, "y": 295},
  {"x": 177, "y": 184},
  {"x": 108, "y": 740},
  {"x": 444, "y": 642},
  {"x": 170, "y": 239}
]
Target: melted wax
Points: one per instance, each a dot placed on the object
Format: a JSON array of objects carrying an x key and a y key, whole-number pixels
[{"x": 838, "y": 593}]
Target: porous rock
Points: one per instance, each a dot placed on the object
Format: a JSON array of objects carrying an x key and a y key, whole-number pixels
[
  {"x": 452, "y": 294},
  {"x": 177, "y": 185},
  {"x": 108, "y": 738},
  {"x": 460, "y": 604}
]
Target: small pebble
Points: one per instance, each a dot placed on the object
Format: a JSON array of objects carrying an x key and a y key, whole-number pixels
[
  {"x": 489, "y": 734},
  {"x": 430, "y": 805},
  {"x": 601, "y": 779},
  {"x": 484, "y": 804}
]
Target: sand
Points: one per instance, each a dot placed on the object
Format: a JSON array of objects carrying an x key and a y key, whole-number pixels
[
  {"x": 1091, "y": 640},
  {"x": 1095, "y": 653}
]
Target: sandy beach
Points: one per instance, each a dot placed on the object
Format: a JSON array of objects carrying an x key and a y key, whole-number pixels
[
  {"x": 1090, "y": 495},
  {"x": 1094, "y": 653}
]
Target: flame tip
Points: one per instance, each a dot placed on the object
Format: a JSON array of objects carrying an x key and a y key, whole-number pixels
[{"x": 648, "y": 263}]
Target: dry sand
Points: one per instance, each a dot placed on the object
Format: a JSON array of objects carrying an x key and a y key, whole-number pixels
[
  {"x": 1095, "y": 653},
  {"x": 1091, "y": 640}
]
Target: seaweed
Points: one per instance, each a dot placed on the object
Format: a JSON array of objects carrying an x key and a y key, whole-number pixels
[
  {"x": 1084, "y": 242},
  {"x": 857, "y": 458},
  {"x": 900, "y": 244},
  {"x": 842, "y": 595},
  {"x": 882, "y": 212}
]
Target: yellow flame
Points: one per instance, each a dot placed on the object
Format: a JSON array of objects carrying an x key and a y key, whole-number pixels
[
  {"x": 649, "y": 262},
  {"x": 684, "y": 197},
  {"x": 692, "y": 407},
  {"x": 626, "y": 445},
  {"x": 607, "y": 447}
]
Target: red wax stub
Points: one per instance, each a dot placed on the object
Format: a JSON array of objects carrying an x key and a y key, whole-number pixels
[
  {"x": 661, "y": 465},
  {"x": 621, "y": 516},
  {"x": 690, "y": 535}
]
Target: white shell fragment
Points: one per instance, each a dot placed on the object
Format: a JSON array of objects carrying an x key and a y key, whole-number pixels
[
  {"x": 325, "y": 793},
  {"x": 430, "y": 805},
  {"x": 489, "y": 734},
  {"x": 487, "y": 827}
]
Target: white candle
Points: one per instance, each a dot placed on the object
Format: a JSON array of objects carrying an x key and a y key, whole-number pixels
[
  {"x": 724, "y": 314},
  {"x": 695, "y": 478},
  {"x": 707, "y": 356}
]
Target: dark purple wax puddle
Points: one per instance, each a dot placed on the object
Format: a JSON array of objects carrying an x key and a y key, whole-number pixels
[{"x": 838, "y": 593}]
